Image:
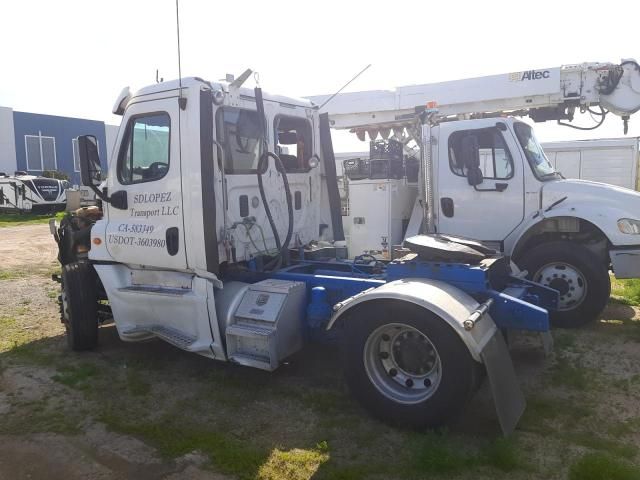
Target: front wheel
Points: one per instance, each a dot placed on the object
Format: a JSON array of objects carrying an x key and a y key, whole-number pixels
[
  {"x": 407, "y": 366},
  {"x": 79, "y": 305},
  {"x": 577, "y": 274}
]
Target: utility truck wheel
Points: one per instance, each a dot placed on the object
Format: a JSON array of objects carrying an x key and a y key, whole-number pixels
[
  {"x": 407, "y": 366},
  {"x": 79, "y": 305},
  {"x": 580, "y": 277}
]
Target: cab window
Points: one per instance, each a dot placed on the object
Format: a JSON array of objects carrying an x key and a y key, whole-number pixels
[
  {"x": 293, "y": 142},
  {"x": 239, "y": 134},
  {"x": 495, "y": 159},
  {"x": 144, "y": 156}
]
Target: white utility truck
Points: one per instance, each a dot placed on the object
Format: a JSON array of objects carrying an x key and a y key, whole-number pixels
[
  {"x": 484, "y": 175},
  {"x": 220, "y": 232},
  {"x": 24, "y": 193}
]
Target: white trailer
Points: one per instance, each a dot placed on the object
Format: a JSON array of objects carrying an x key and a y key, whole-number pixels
[
  {"x": 607, "y": 160},
  {"x": 22, "y": 193},
  {"x": 565, "y": 233}
]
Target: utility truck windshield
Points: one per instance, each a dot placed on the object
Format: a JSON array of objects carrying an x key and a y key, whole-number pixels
[{"x": 539, "y": 162}]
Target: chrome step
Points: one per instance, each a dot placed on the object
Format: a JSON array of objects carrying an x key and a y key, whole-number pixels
[
  {"x": 174, "y": 292},
  {"x": 170, "y": 335},
  {"x": 255, "y": 361},
  {"x": 251, "y": 331}
]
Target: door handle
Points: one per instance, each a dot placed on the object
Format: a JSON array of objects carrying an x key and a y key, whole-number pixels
[
  {"x": 499, "y": 187},
  {"x": 446, "y": 204},
  {"x": 173, "y": 240}
]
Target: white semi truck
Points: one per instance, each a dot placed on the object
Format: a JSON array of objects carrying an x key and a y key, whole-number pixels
[
  {"x": 484, "y": 175},
  {"x": 220, "y": 232}
]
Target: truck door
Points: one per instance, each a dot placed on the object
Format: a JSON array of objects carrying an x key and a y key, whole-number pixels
[
  {"x": 149, "y": 231},
  {"x": 494, "y": 208}
]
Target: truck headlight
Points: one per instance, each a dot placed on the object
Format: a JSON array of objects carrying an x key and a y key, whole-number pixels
[{"x": 629, "y": 226}]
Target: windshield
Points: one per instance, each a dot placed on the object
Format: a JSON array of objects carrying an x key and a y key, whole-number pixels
[{"x": 539, "y": 162}]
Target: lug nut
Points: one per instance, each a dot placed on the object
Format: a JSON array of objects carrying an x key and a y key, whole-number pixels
[
  {"x": 393, "y": 372},
  {"x": 384, "y": 355},
  {"x": 409, "y": 383},
  {"x": 427, "y": 382}
]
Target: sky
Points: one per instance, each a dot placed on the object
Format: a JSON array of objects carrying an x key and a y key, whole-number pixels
[{"x": 72, "y": 58}]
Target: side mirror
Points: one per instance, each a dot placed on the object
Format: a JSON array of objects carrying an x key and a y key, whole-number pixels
[
  {"x": 90, "y": 169},
  {"x": 471, "y": 159}
]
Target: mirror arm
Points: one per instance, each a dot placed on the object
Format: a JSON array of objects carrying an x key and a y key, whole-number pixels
[{"x": 100, "y": 194}]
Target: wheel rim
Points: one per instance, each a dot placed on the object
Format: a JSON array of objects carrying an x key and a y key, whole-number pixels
[
  {"x": 565, "y": 278},
  {"x": 402, "y": 363}
]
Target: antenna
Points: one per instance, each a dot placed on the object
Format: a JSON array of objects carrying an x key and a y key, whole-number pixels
[
  {"x": 181, "y": 101},
  {"x": 344, "y": 86}
]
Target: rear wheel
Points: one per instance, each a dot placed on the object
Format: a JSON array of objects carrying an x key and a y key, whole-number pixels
[
  {"x": 579, "y": 276},
  {"x": 407, "y": 366},
  {"x": 79, "y": 305}
]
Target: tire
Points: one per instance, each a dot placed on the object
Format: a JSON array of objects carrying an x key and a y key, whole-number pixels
[
  {"x": 79, "y": 305},
  {"x": 574, "y": 271},
  {"x": 448, "y": 391}
]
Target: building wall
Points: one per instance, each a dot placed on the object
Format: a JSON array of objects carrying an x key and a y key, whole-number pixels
[
  {"x": 111, "y": 134},
  {"x": 64, "y": 130},
  {"x": 7, "y": 142}
]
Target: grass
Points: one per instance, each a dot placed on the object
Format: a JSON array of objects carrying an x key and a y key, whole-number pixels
[
  {"x": 14, "y": 219},
  {"x": 440, "y": 454},
  {"x": 13, "y": 333},
  {"x": 626, "y": 291},
  {"x": 301, "y": 423},
  {"x": 598, "y": 466},
  {"x": 174, "y": 439},
  {"x": 596, "y": 442},
  {"x": 76, "y": 376},
  {"x": 295, "y": 464},
  {"x": 567, "y": 373}
]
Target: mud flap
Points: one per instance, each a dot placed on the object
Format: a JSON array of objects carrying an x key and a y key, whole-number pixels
[{"x": 507, "y": 394}]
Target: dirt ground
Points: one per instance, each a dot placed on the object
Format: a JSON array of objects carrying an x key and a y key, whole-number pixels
[
  {"x": 28, "y": 256},
  {"x": 151, "y": 411}
]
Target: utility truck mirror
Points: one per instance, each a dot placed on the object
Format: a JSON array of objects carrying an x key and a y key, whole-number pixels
[
  {"x": 90, "y": 170},
  {"x": 471, "y": 159},
  {"x": 287, "y": 138}
]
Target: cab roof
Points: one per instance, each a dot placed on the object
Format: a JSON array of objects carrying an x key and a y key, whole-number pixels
[{"x": 197, "y": 82}]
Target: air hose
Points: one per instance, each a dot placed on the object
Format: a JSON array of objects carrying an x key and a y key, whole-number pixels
[{"x": 262, "y": 167}]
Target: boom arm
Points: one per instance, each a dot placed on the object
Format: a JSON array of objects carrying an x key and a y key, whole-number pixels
[{"x": 547, "y": 94}]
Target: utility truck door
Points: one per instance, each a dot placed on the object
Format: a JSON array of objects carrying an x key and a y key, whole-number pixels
[
  {"x": 479, "y": 192},
  {"x": 145, "y": 225}
]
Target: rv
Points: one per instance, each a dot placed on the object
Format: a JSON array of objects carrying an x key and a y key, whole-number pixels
[{"x": 22, "y": 193}]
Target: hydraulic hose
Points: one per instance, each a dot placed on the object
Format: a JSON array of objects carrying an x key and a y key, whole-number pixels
[{"x": 262, "y": 166}]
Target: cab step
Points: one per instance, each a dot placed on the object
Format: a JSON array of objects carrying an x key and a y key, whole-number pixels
[
  {"x": 169, "y": 335},
  {"x": 252, "y": 345},
  {"x": 174, "y": 292},
  {"x": 248, "y": 360}
]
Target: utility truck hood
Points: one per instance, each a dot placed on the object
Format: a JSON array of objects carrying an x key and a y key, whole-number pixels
[{"x": 600, "y": 203}]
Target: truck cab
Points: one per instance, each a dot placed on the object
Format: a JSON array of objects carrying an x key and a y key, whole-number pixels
[
  {"x": 183, "y": 198},
  {"x": 565, "y": 233}
]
